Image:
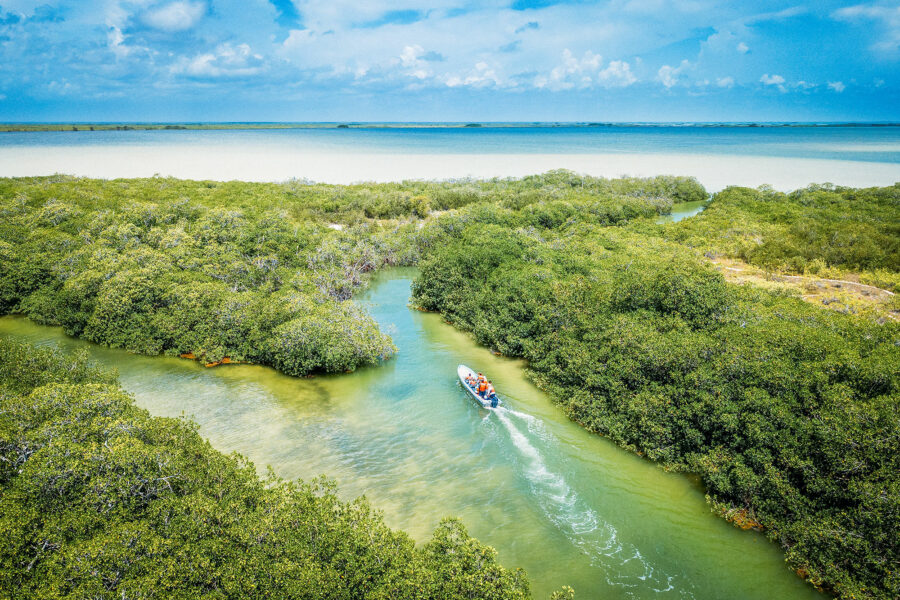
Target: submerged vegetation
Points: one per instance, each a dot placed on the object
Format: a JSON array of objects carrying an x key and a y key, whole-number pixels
[{"x": 787, "y": 411}]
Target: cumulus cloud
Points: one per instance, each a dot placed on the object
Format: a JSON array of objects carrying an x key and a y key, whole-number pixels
[
  {"x": 413, "y": 59},
  {"x": 116, "y": 41},
  {"x": 585, "y": 72},
  {"x": 616, "y": 74},
  {"x": 410, "y": 55},
  {"x": 837, "y": 86},
  {"x": 668, "y": 75},
  {"x": 342, "y": 49},
  {"x": 776, "y": 80},
  {"x": 226, "y": 61},
  {"x": 175, "y": 16},
  {"x": 482, "y": 75}
]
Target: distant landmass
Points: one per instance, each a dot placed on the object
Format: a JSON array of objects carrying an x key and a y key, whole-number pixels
[{"x": 122, "y": 126}]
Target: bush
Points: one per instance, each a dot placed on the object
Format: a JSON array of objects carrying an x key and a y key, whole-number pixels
[
  {"x": 788, "y": 412},
  {"x": 100, "y": 500}
]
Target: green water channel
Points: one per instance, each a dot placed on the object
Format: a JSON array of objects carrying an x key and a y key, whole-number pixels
[
  {"x": 683, "y": 211},
  {"x": 568, "y": 506}
]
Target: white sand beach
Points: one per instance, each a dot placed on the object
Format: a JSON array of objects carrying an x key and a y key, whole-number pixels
[{"x": 261, "y": 163}]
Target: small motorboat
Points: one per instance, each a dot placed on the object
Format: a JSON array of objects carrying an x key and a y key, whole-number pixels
[{"x": 463, "y": 371}]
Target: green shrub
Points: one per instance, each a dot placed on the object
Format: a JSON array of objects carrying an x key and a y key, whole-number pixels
[{"x": 100, "y": 500}]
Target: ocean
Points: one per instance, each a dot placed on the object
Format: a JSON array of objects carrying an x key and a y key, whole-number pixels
[{"x": 783, "y": 157}]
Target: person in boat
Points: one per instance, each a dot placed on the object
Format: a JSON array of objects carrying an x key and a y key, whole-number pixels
[
  {"x": 492, "y": 395},
  {"x": 483, "y": 387},
  {"x": 474, "y": 380}
]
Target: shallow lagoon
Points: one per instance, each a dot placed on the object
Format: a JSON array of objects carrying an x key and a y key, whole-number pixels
[{"x": 784, "y": 157}]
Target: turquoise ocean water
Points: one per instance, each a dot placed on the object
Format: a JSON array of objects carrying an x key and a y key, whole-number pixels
[{"x": 785, "y": 157}]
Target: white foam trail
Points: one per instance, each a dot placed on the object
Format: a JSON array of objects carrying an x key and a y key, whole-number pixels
[{"x": 623, "y": 564}]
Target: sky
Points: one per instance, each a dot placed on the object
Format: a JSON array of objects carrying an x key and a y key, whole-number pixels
[{"x": 449, "y": 60}]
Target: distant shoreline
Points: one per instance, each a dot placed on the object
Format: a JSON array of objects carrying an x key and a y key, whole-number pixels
[{"x": 162, "y": 126}]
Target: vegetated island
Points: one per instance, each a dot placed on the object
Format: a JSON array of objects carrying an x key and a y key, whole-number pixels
[
  {"x": 150, "y": 126},
  {"x": 781, "y": 392}
]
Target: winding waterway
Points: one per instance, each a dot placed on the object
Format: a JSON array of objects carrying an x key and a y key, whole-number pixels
[{"x": 568, "y": 506}]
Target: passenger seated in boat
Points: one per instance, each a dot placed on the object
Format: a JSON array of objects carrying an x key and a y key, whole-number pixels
[
  {"x": 482, "y": 388},
  {"x": 490, "y": 390},
  {"x": 470, "y": 380}
]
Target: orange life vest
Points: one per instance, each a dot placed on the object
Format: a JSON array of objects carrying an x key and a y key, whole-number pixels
[{"x": 482, "y": 386}]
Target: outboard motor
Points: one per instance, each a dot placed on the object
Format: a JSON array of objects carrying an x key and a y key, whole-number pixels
[{"x": 494, "y": 401}]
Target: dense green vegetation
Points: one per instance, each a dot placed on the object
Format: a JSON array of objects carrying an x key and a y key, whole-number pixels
[
  {"x": 819, "y": 230},
  {"x": 252, "y": 272},
  {"x": 100, "y": 500},
  {"x": 787, "y": 411},
  {"x": 181, "y": 267}
]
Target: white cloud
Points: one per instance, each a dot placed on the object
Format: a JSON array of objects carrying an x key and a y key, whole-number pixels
[
  {"x": 585, "y": 72},
  {"x": 668, "y": 75},
  {"x": 411, "y": 55},
  {"x": 562, "y": 76},
  {"x": 771, "y": 79},
  {"x": 482, "y": 75},
  {"x": 176, "y": 16},
  {"x": 889, "y": 16},
  {"x": 776, "y": 80},
  {"x": 342, "y": 50},
  {"x": 837, "y": 86},
  {"x": 116, "y": 42},
  {"x": 415, "y": 60},
  {"x": 298, "y": 38},
  {"x": 616, "y": 74},
  {"x": 226, "y": 61},
  {"x": 780, "y": 15}
]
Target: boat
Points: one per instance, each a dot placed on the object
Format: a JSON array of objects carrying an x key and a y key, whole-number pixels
[{"x": 463, "y": 371}]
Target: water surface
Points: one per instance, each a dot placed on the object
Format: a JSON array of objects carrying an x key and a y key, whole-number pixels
[
  {"x": 683, "y": 211},
  {"x": 785, "y": 157},
  {"x": 568, "y": 506}
]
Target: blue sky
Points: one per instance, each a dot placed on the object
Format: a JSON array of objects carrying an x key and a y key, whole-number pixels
[{"x": 449, "y": 60}]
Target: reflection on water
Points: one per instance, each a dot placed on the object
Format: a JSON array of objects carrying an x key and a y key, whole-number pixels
[
  {"x": 683, "y": 211},
  {"x": 566, "y": 505}
]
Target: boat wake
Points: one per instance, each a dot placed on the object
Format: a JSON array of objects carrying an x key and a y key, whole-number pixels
[{"x": 623, "y": 564}]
